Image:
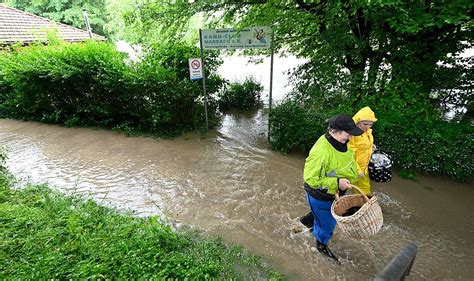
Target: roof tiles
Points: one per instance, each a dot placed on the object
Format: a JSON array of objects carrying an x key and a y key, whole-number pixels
[{"x": 19, "y": 26}]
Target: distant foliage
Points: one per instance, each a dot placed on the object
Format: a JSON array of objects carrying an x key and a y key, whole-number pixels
[
  {"x": 240, "y": 95},
  {"x": 89, "y": 84}
]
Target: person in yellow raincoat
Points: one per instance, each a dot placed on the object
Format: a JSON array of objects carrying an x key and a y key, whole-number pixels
[{"x": 363, "y": 146}]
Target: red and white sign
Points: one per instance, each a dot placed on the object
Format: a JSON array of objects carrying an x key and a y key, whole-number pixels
[{"x": 195, "y": 69}]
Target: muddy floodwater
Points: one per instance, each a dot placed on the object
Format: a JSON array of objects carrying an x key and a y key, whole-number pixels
[{"x": 227, "y": 182}]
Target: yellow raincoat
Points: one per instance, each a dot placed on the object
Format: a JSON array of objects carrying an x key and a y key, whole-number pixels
[{"x": 363, "y": 147}]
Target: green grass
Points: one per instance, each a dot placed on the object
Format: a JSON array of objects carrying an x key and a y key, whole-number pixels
[{"x": 48, "y": 235}]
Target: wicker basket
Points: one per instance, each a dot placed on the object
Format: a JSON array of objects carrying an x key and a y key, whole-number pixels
[{"x": 366, "y": 222}]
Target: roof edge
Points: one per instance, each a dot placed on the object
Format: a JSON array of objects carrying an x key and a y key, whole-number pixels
[{"x": 94, "y": 35}]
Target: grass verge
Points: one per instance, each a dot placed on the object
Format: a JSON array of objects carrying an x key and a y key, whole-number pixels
[{"x": 49, "y": 235}]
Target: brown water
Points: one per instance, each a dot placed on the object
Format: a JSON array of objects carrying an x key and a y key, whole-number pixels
[{"x": 227, "y": 182}]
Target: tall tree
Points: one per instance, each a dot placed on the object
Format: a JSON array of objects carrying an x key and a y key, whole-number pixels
[{"x": 115, "y": 26}]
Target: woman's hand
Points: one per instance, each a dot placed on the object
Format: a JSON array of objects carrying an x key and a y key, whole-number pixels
[{"x": 344, "y": 184}]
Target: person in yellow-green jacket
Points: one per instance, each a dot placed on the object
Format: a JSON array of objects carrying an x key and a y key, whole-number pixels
[
  {"x": 330, "y": 168},
  {"x": 363, "y": 146}
]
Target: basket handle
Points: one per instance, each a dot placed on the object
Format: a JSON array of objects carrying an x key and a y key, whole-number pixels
[
  {"x": 358, "y": 189},
  {"x": 361, "y": 192}
]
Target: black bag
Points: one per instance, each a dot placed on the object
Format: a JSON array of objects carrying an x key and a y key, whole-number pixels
[{"x": 380, "y": 167}]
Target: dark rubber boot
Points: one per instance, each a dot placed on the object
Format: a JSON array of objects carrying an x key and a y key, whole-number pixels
[
  {"x": 324, "y": 249},
  {"x": 307, "y": 220}
]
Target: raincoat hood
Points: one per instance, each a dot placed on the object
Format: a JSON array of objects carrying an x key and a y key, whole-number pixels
[{"x": 364, "y": 114}]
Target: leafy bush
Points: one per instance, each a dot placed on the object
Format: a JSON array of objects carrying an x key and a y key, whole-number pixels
[
  {"x": 418, "y": 137},
  {"x": 444, "y": 149},
  {"x": 240, "y": 95},
  {"x": 289, "y": 127},
  {"x": 301, "y": 119},
  {"x": 178, "y": 103},
  {"x": 89, "y": 84}
]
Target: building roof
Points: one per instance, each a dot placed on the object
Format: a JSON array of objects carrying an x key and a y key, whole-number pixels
[{"x": 19, "y": 26}]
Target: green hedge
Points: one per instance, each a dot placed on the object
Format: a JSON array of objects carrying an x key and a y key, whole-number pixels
[
  {"x": 242, "y": 96},
  {"x": 90, "y": 84},
  {"x": 419, "y": 138},
  {"x": 411, "y": 130}
]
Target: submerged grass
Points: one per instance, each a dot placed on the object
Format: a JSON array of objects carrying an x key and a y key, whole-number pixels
[{"x": 49, "y": 235}]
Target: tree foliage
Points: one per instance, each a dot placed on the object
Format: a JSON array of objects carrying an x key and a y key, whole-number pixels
[{"x": 356, "y": 47}]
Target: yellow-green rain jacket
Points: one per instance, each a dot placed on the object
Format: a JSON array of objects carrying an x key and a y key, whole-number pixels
[
  {"x": 363, "y": 145},
  {"x": 324, "y": 165}
]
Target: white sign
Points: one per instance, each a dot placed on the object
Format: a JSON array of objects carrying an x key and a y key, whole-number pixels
[
  {"x": 195, "y": 69},
  {"x": 230, "y": 38}
]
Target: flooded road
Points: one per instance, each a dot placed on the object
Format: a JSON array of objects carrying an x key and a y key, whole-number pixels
[{"x": 227, "y": 182}]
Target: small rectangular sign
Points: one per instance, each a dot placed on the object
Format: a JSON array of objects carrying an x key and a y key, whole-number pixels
[
  {"x": 230, "y": 38},
  {"x": 195, "y": 69}
]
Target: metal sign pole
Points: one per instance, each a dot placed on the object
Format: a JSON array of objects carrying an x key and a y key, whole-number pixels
[
  {"x": 230, "y": 38},
  {"x": 86, "y": 19},
  {"x": 271, "y": 87},
  {"x": 203, "y": 78}
]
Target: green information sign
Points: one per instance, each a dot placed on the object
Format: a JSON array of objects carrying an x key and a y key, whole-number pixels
[{"x": 230, "y": 38}]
